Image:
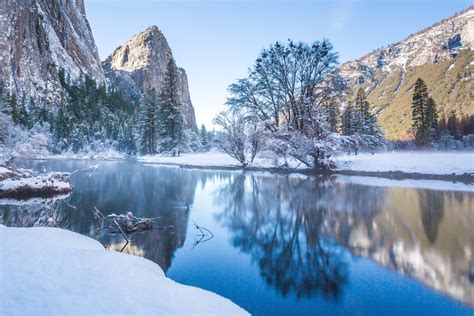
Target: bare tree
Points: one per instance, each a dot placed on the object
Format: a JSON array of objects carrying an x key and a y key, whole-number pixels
[{"x": 241, "y": 138}]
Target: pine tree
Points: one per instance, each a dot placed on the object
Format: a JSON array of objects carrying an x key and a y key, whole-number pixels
[
  {"x": 361, "y": 125},
  {"x": 149, "y": 123},
  {"x": 171, "y": 119},
  {"x": 346, "y": 120},
  {"x": 432, "y": 118},
  {"x": 451, "y": 124},
  {"x": 204, "y": 137},
  {"x": 424, "y": 115},
  {"x": 14, "y": 109}
]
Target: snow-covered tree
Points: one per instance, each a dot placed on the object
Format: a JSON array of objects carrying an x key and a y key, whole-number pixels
[
  {"x": 360, "y": 126},
  {"x": 240, "y": 137},
  {"x": 205, "y": 138},
  {"x": 289, "y": 90}
]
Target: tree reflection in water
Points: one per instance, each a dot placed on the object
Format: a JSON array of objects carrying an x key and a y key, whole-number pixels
[
  {"x": 432, "y": 211},
  {"x": 273, "y": 220},
  {"x": 295, "y": 228}
]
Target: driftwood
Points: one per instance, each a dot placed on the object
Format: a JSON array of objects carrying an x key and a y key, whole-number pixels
[
  {"x": 124, "y": 224},
  {"x": 127, "y": 223}
]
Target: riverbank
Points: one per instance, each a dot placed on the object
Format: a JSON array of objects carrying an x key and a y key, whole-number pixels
[
  {"x": 54, "y": 271},
  {"x": 452, "y": 166}
]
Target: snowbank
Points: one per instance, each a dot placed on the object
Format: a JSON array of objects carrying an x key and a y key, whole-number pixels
[
  {"x": 49, "y": 270},
  {"x": 108, "y": 154},
  {"x": 27, "y": 184},
  {"x": 209, "y": 159},
  {"x": 410, "y": 162},
  {"x": 434, "y": 163}
]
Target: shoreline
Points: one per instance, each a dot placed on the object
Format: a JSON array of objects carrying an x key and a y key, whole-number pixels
[
  {"x": 465, "y": 178},
  {"x": 395, "y": 175}
]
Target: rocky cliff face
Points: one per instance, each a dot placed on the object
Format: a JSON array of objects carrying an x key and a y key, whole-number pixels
[
  {"x": 442, "y": 55},
  {"x": 38, "y": 38},
  {"x": 140, "y": 64}
]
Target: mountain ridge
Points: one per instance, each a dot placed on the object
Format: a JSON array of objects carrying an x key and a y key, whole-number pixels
[{"x": 441, "y": 54}]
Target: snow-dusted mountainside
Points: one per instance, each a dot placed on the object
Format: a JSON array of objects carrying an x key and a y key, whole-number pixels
[
  {"x": 442, "y": 55},
  {"x": 38, "y": 38},
  {"x": 140, "y": 64}
]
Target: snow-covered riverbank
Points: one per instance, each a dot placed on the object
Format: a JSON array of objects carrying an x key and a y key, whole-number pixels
[
  {"x": 54, "y": 271},
  {"x": 439, "y": 163},
  {"x": 430, "y": 163},
  {"x": 23, "y": 183}
]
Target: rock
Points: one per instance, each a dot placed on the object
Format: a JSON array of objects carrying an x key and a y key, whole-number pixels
[
  {"x": 40, "y": 37},
  {"x": 140, "y": 64}
]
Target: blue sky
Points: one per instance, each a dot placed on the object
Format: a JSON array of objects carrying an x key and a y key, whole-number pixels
[{"x": 217, "y": 40}]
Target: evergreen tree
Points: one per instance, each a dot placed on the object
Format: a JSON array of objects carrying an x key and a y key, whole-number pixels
[
  {"x": 23, "y": 114},
  {"x": 346, "y": 120},
  {"x": 171, "y": 120},
  {"x": 14, "y": 109},
  {"x": 204, "y": 136},
  {"x": 149, "y": 123},
  {"x": 451, "y": 125},
  {"x": 361, "y": 125},
  {"x": 432, "y": 118},
  {"x": 424, "y": 115},
  {"x": 126, "y": 137}
]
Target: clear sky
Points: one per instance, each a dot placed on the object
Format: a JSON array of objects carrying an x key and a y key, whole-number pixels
[{"x": 216, "y": 41}]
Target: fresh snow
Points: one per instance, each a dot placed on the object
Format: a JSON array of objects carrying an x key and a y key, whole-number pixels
[
  {"x": 108, "y": 154},
  {"x": 54, "y": 180},
  {"x": 209, "y": 159},
  {"x": 4, "y": 171},
  {"x": 438, "y": 163},
  {"x": 54, "y": 271}
]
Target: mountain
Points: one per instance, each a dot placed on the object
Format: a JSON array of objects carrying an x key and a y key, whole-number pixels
[
  {"x": 140, "y": 64},
  {"x": 38, "y": 38},
  {"x": 442, "y": 55}
]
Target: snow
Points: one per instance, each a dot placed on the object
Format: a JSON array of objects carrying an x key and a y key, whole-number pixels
[
  {"x": 209, "y": 159},
  {"x": 4, "y": 170},
  {"x": 410, "y": 162},
  {"x": 107, "y": 154},
  {"x": 54, "y": 271},
  {"x": 55, "y": 180},
  {"x": 438, "y": 163}
]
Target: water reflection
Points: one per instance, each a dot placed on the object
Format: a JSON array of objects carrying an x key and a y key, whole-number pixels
[
  {"x": 296, "y": 229},
  {"x": 286, "y": 225},
  {"x": 271, "y": 219}
]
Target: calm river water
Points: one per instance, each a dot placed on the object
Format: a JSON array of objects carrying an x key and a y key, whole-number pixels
[{"x": 283, "y": 244}]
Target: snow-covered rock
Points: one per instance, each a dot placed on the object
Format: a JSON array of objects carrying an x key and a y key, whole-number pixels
[{"x": 54, "y": 271}]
